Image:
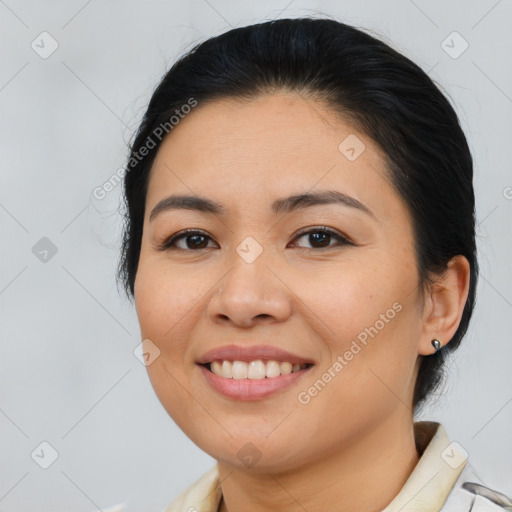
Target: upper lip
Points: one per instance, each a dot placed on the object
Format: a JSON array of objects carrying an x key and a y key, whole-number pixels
[{"x": 251, "y": 353}]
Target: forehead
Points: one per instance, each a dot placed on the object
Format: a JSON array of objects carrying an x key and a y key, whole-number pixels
[
  {"x": 254, "y": 151},
  {"x": 283, "y": 123}
]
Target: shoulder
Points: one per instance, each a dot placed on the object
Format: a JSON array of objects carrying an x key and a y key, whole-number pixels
[
  {"x": 202, "y": 496},
  {"x": 471, "y": 496}
]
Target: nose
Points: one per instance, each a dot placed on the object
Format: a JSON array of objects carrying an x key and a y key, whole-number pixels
[{"x": 250, "y": 293}]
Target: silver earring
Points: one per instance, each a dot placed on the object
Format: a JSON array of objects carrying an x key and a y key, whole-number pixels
[{"x": 436, "y": 344}]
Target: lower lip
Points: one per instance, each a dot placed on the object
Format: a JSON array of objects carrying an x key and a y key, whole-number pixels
[{"x": 250, "y": 389}]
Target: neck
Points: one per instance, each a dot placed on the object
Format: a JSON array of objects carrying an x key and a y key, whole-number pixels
[{"x": 364, "y": 476}]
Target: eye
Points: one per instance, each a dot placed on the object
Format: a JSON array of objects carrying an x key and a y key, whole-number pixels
[
  {"x": 320, "y": 237},
  {"x": 194, "y": 240}
]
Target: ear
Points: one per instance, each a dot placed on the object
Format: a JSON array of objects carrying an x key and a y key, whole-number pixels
[{"x": 445, "y": 299}]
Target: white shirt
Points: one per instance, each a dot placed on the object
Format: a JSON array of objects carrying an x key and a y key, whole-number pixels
[{"x": 435, "y": 485}]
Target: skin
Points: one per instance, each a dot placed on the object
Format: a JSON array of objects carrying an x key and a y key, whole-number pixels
[{"x": 352, "y": 446}]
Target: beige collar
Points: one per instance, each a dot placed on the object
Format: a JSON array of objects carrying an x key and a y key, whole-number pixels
[
  {"x": 431, "y": 481},
  {"x": 426, "y": 489}
]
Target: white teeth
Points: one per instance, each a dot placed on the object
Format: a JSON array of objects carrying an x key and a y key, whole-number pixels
[
  {"x": 273, "y": 369},
  {"x": 216, "y": 367},
  {"x": 254, "y": 370},
  {"x": 286, "y": 368},
  {"x": 239, "y": 370},
  {"x": 226, "y": 370}
]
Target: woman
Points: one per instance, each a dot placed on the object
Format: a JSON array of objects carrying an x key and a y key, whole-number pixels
[{"x": 300, "y": 245}]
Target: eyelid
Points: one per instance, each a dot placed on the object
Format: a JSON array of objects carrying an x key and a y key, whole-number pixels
[
  {"x": 324, "y": 229},
  {"x": 166, "y": 243}
]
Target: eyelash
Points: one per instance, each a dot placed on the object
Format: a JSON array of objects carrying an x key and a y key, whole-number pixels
[{"x": 342, "y": 240}]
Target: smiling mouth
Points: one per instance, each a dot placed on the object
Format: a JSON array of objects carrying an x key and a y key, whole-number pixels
[{"x": 253, "y": 370}]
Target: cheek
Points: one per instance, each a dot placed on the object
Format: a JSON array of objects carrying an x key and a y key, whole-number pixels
[
  {"x": 166, "y": 303},
  {"x": 368, "y": 321},
  {"x": 348, "y": 298},
  {"x": 165, "y": 311}
]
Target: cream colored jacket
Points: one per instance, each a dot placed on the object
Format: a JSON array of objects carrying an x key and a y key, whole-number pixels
[{"x": 442, "y": 481}]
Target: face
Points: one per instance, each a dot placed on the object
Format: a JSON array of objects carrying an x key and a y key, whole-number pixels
[{"x": 261, "y": 285}]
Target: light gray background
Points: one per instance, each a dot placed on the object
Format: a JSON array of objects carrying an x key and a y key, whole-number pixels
[{"x": 67, "y": 369}]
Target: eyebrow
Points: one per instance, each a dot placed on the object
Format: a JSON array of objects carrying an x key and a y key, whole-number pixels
[{"x": 287, "y": 204}]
